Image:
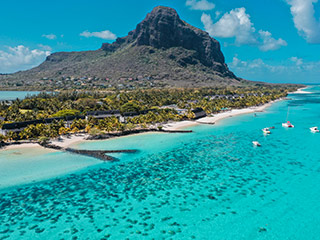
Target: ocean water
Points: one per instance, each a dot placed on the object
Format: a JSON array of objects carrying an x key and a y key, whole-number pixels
[
  {"x": 28, "y": 165},
  {"x": 209, "y": 184},
  {"x": 12, "y": 95}
]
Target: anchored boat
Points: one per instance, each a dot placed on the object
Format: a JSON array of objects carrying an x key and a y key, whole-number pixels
[
  {"x": 288, "y": 124},
  {"x": 256, "y": 143},
  {"x": 314, "y": 129},
  {"x": 266, "y": 131}
]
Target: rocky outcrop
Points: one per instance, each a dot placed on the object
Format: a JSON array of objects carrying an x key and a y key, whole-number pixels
[
  {"x": 163, "y": 51},
  {"x": 163, "y": 29}
]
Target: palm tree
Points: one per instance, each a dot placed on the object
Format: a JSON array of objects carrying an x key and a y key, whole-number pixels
[
  {"x": 12, "y": 136},
  {"x": 2, "y": 138}
]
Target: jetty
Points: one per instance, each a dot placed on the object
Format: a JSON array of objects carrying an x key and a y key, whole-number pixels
[
  {"x": 99, "y": 154},
  {"x": 103, "y": 154}
]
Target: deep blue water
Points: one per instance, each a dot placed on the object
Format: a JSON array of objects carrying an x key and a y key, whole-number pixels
[{"x": 210, "y": 184}]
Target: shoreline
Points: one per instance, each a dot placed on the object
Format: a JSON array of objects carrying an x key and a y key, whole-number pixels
[
  {"x": 301, "y": 91},
  {"x": 219, "y": 116},
  {"x": 68, "y": 141},
  {"x": 63, "y": 141}
]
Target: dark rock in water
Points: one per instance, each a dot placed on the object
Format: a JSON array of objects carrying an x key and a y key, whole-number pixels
[
  {"x": 210, "y": 196},
  {"x": 39, "y": 230},
  {"x": 33, "y": 227},
  {"x": 90, "y": 201},
  {"x": 262, "y": 229},
  {"x": 165, "y": 219}
]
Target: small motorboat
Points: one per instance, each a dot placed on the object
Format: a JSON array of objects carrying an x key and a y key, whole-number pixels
[
  {"x": 256, "y": 143},
  {"x": 266, "y": 131},
  {"x": 272, "y": 127},
  {"x": 288, "y": 125},
  {"x": 314, "y": 129}
]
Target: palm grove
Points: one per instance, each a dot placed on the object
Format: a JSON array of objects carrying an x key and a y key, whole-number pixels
[{"x": 77, "y": 103}]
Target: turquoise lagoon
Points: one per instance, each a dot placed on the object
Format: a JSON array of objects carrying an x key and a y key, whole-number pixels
[
  {"x": 210, "y": 184},
  {"x": 12, "y": 95}
]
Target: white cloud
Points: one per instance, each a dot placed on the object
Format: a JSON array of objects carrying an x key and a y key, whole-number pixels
[
  {"x": 270, "y": 43},
  {"x": 236, "y": 62},
  {"x": 304, "y": 19},
  {"x": 107, "y": 35},
  {"x": 237, "y": 24},
  {"x": 289, "y": 66},
  {"x": 292, "y": 69},
  {"x": 45, "y": 47},
  {"x": 21, "y": 58},
  {"x": 240, "y": 64},
  {"x": 49, "y": 36},
  {"x": 218, "y": 13},
  {"x": 297, "y": 61},
  {"x": 203, "y": 5}
]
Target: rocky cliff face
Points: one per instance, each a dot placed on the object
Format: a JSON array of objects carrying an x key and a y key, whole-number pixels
[
  {"x": 163, "y": 51},
  {"x": 163, "y": 28}
]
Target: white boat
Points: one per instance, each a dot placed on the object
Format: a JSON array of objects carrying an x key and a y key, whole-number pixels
[
  {"x": 288, "y": 125},
  {"x": 256, "y": 143},
  {"x": 314, "y": 129},
  {"x": 266, "y": 131}
]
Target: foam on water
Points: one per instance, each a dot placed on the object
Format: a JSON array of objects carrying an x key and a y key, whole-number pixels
[{"x": 211, "y": 184}]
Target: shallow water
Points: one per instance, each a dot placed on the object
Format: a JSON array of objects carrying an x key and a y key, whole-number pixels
[
  {"x": 211, "y": 184},
  {"x": 12, "y": 95},
  {"x": 26, "y": 165}
]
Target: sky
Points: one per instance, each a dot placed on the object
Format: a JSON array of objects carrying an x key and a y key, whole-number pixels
[{"x": 263, "y": 40}]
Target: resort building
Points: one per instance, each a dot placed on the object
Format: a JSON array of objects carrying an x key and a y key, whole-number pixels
[
  {"x": 180, "y": 111},
  {"x": 103, "y": 114},
  {"x": 19, "y": 126},
  {"x": 199, "y": 113},
  {"x": 126, "y": 115}
]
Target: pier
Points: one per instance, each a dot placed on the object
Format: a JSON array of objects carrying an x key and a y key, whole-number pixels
[{"x": 99, "y": 154}]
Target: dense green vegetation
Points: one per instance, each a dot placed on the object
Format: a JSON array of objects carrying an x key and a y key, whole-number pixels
[{"x": 75, "y": 103}]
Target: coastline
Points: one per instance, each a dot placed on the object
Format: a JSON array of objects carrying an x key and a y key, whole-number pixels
[
  {"x": 219, "y": 116},
  {"x": 26, "y": 146},
  {"x": 68, "y": 141},
  {"x": 301, "y": 91},
  {"x": 61, "y": 142}
]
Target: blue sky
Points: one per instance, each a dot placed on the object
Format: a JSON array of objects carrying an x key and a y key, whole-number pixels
[{"x": 264, "y": 40}]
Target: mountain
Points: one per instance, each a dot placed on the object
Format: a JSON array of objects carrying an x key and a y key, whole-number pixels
[{"x": 163, "y": 50}]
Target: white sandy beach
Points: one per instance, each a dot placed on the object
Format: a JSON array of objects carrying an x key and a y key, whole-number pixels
[
  {"x": 235, "y": 112},
  {"x": 61, "y": 142},
  {"x": 217, "y": 117},
  {"x": 23, "y": 145},
  {"x": 69, "y": 141},
  {"x": 179, "y": 125},
  {"x": 301, "y": 91}
]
